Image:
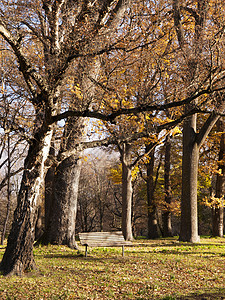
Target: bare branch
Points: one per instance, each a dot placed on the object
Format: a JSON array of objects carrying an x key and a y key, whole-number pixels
[
  {"x": 210, "y": 122},
  {"x": 25, "y": 66},
  {"x": 5, "y": 179}
]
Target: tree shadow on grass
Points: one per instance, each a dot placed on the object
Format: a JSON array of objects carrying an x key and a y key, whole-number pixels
[
  {"x": 186, "y": 252},
  {"x": 183, "y": 248},
  {"x": 178, "y": 244},
  {"x": 112, "y": 256},
  {"x": 80, "y": 256},
  {"x": 205, "y": 296}
]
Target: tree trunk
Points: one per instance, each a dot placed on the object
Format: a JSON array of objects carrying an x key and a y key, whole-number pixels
[
  {"x": 166, "y": 217},
  {"x": 48, "y": 197},
  {"x": 191, "y": 140},
  {"x": 64, "y": 208},
  {"x": 189, "y": 209},
  {"x": 127, "y": 191},
  {"x": 61, "y": 229},
  {"x": 18, "y": 256},
  {"x": 218, "y": 211},
  {"x": 101, "y": 214},
  {"x": 153, "y": 230},
  {"x": 217, "y": 220}
]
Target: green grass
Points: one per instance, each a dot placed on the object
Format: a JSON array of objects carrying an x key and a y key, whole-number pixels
[{"x": 159, "y": 269}]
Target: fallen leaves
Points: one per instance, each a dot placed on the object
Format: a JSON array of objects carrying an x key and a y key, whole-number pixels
[{"x": 150, "y": 270}]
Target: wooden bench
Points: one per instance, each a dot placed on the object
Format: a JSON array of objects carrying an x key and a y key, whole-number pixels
[{"x": 103, "y": 239}]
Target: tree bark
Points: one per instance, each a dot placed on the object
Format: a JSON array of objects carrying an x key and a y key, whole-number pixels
[
  {"x": 166, "y": 217},
  {"x": 153, "y": 230},
  {"x": 64, "y": 209},
  {"x": 18, "y": 256},
  {"x": 127, "y": 191},
  {"x": 189, "y": 209},
  {"x": 192, "y": 141},
  {"x": 61, "y": 229},
  {"x": 217, "y": 220},
  {"x": 62, "y": 216}
]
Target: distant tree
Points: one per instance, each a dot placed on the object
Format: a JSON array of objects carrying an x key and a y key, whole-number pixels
[
  {"x": 151, "y": 181},
  {"x": 167, "y": 214},
  {"x": 218, "y": 207},
  {"x": 87, "y": 213},
  {"x": 12, "y": 144},
  {"x": 138, "y": 200},
  {"x": 127, "y": 190},
  {"x": 215, "y": 197},
  {"x": 94, "y": 192}
]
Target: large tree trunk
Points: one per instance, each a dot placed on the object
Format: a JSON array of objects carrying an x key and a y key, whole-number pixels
[
  {"x": 189, "y": 209},
  {"x": 166, "y": 217},
  {"x": 18, "y": 256},
  {"x": 191, "y": 140},
  {"x": 153, "y": 229},
  {"x": 127, "y": 191},
  {"x": 218, "y": 211},
  {"x": 64, "y": 207},
  {"x": 61, "y": 229},
  {"x": 62, "y": 215}
]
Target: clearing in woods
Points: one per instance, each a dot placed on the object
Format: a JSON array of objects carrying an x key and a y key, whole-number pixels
[{"x": 150, "y": 269}]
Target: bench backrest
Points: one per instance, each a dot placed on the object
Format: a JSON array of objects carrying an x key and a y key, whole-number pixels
[{"x": 102, "y": 238}]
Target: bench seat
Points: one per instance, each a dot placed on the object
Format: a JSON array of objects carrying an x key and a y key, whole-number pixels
[{"x": 103, "y": 239}]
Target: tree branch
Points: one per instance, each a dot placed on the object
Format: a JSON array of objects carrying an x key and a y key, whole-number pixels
[
  {"x": 56, "y": 7},
  {"x": 4, "y": 180},
  {"x": 177, "y": 22},
  {"x": 210, "y": 122},
  {"x": 127, "y": 111},
  {"x": 25, "y": 66}
]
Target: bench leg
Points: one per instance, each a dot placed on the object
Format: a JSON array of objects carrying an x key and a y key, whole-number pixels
[
  {"x": 123, "y": 251},
  {"x": 86, "y": 250}
]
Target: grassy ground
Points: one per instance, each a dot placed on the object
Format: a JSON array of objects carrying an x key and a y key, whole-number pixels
[{"x": 160, "y": 269}]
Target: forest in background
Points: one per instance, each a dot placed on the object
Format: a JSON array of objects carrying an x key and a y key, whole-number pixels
[{"x": 99, "y": 197}]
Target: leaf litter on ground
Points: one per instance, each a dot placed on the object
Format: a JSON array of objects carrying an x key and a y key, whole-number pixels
[{"x": 150, "y": 269}]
